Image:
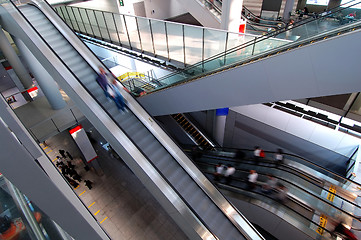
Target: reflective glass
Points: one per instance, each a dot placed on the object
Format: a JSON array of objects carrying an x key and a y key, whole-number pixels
[
  {"x": 86, "y": 21},
  {"x": 193, "y": 38},
  {"x": 159, "y": 35},
  {"x": 145, "y": 35},
  {"x": 175, "y": 42},
  {"x": 110, "y": 24},
  {"x": 93, "y": 23},
  {"x": 121, "y": 29},
  {"x": 214, "y": 42},
  {"x": 102, "y": 25},
  {"x": 79, "y": 20},
  {"x": 131, "y": 25}
]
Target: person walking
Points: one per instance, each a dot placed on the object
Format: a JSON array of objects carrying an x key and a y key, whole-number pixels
[
  {"x": 218, "y": 174},
  {"x": 102, "y": 80},
  {"x": 228, "y": 174},
  {"x": 252, "y": 179}
]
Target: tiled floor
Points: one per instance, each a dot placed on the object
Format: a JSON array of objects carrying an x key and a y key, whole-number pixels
[{"x": 121, "y": 204}]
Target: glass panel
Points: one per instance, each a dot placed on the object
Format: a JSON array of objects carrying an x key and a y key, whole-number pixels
[
  {"x": 214, "y": 42},
  {"x": 109, "y": 22},
  {"x": 86, "y": 21},
  {"x": 131, "y": 26},
  {"x": 21, "y": 219},
  {"x": 67, "y": 18},
  {"x": 121, "y": 29},
  {"x": 102, "y": 26},
  {"x": 44, "y": 129},
  {"x": 79, "y": 21},
  {"x": 72, "y": 17},
  {"x": 158, "y": 29},
  {"x": 193, "y": 44},
  {"x": 175, "y": 42},
  {"x": 145, "y": 35},
  {"x": 93, "y": 23}
]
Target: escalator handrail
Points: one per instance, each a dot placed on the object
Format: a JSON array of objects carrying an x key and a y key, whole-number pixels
[
  {"x": 308, "y": 192},
  {"x": 295, "y": 156},
  {"x": 264, "y": 195},
  {"x": 250, "y": 43},
  {"x": 248, "y": 232},
  {"x": 129, "y": 139}
]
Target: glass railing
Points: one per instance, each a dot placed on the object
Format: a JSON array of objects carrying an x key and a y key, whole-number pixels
[
  {"x": 300, "y": 199},
  {"x": 22, "y": 220},
  {"x": 307, "y": 32},
  {"x": 179, "y": 44},
  {"x": 209, "y": 50}
]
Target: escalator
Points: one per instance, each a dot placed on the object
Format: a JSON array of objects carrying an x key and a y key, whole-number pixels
[
  {"x": 305, "y": 200},
  {"x": 195, "y": 204}
]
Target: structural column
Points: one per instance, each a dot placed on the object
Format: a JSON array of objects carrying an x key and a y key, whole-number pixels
[
  {"x": 231, "y": 15},
  {"x": 288, "y": 9},
  {"x": 23, "y": 75},
  {"x": 44, "y": 79}
]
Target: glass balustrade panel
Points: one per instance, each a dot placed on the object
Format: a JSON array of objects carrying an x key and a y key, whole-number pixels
[
  {"x": 214, "y": 42},
  {"x": 86, "y": 22},
  {"x": 145, "y": 35},
  {"x": 93, "y": 23},
  {"x": 102, "y": 25},
  {"x": 111, "y": 27},
  {"x": 130, "y": 24},
  {"x": 160, "y": 38},
  {"x": 119, "y": 22},
  {"x": 193, "y": 39},
  {"x": 175, "y": 43},
  {"x": 79, "y": 20}
]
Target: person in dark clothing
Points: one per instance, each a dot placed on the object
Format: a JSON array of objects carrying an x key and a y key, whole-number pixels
[
  {"x": 88, "y": 183},
  {"x": 77, "y": 177},
  {"x": 69, "y": 155},
  {"x": 70, "y": 165},
  {"x": 64, "y": 170},
  {"x": 62, "y": 153},
  {"x": 103, "y": 81}
]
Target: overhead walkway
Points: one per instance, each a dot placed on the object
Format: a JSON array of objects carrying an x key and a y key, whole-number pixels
[
  {"x": 306, "y": 61},
  {"x": 195, "y": 204}
]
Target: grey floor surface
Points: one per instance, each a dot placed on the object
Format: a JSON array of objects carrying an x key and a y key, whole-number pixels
[{"x": 124, "y": 208}]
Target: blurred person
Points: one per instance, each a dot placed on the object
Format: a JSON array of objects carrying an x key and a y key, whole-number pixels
[
  {"x": 228, "y": 173},
  {"x": 218, "y": 174},
  {"x": 279, "y": 157},
  {"x": 252, "y": 179},
  {"x": 270, "y": 184},
  {"x": 257, "y": 154},
  {"x": 88, "y": 183},
  {"x": 282, "y": 192},
  {"x": 113, "y": 90},
  {"x": 102, "y": 80}
]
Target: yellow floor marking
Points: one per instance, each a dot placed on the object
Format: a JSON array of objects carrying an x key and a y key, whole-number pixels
[
  {"x": 49, "y": 151},
  {"x": 96, "y": 213},
  {"x": 45, "y": 148},
  {"x": 91, "y": 204},
  {"x": 82, "y": 192},
  {"x": 41, "y": 144},
  {"x": 103, "y": 220},
  {"x": 77, "y": 187},
  {"x": 54, "y": 159}
]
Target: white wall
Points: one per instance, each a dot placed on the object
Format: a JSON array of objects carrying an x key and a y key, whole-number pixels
[
  {"x": 318, "y": 134},
  {"x": 160, "y": 9}
]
